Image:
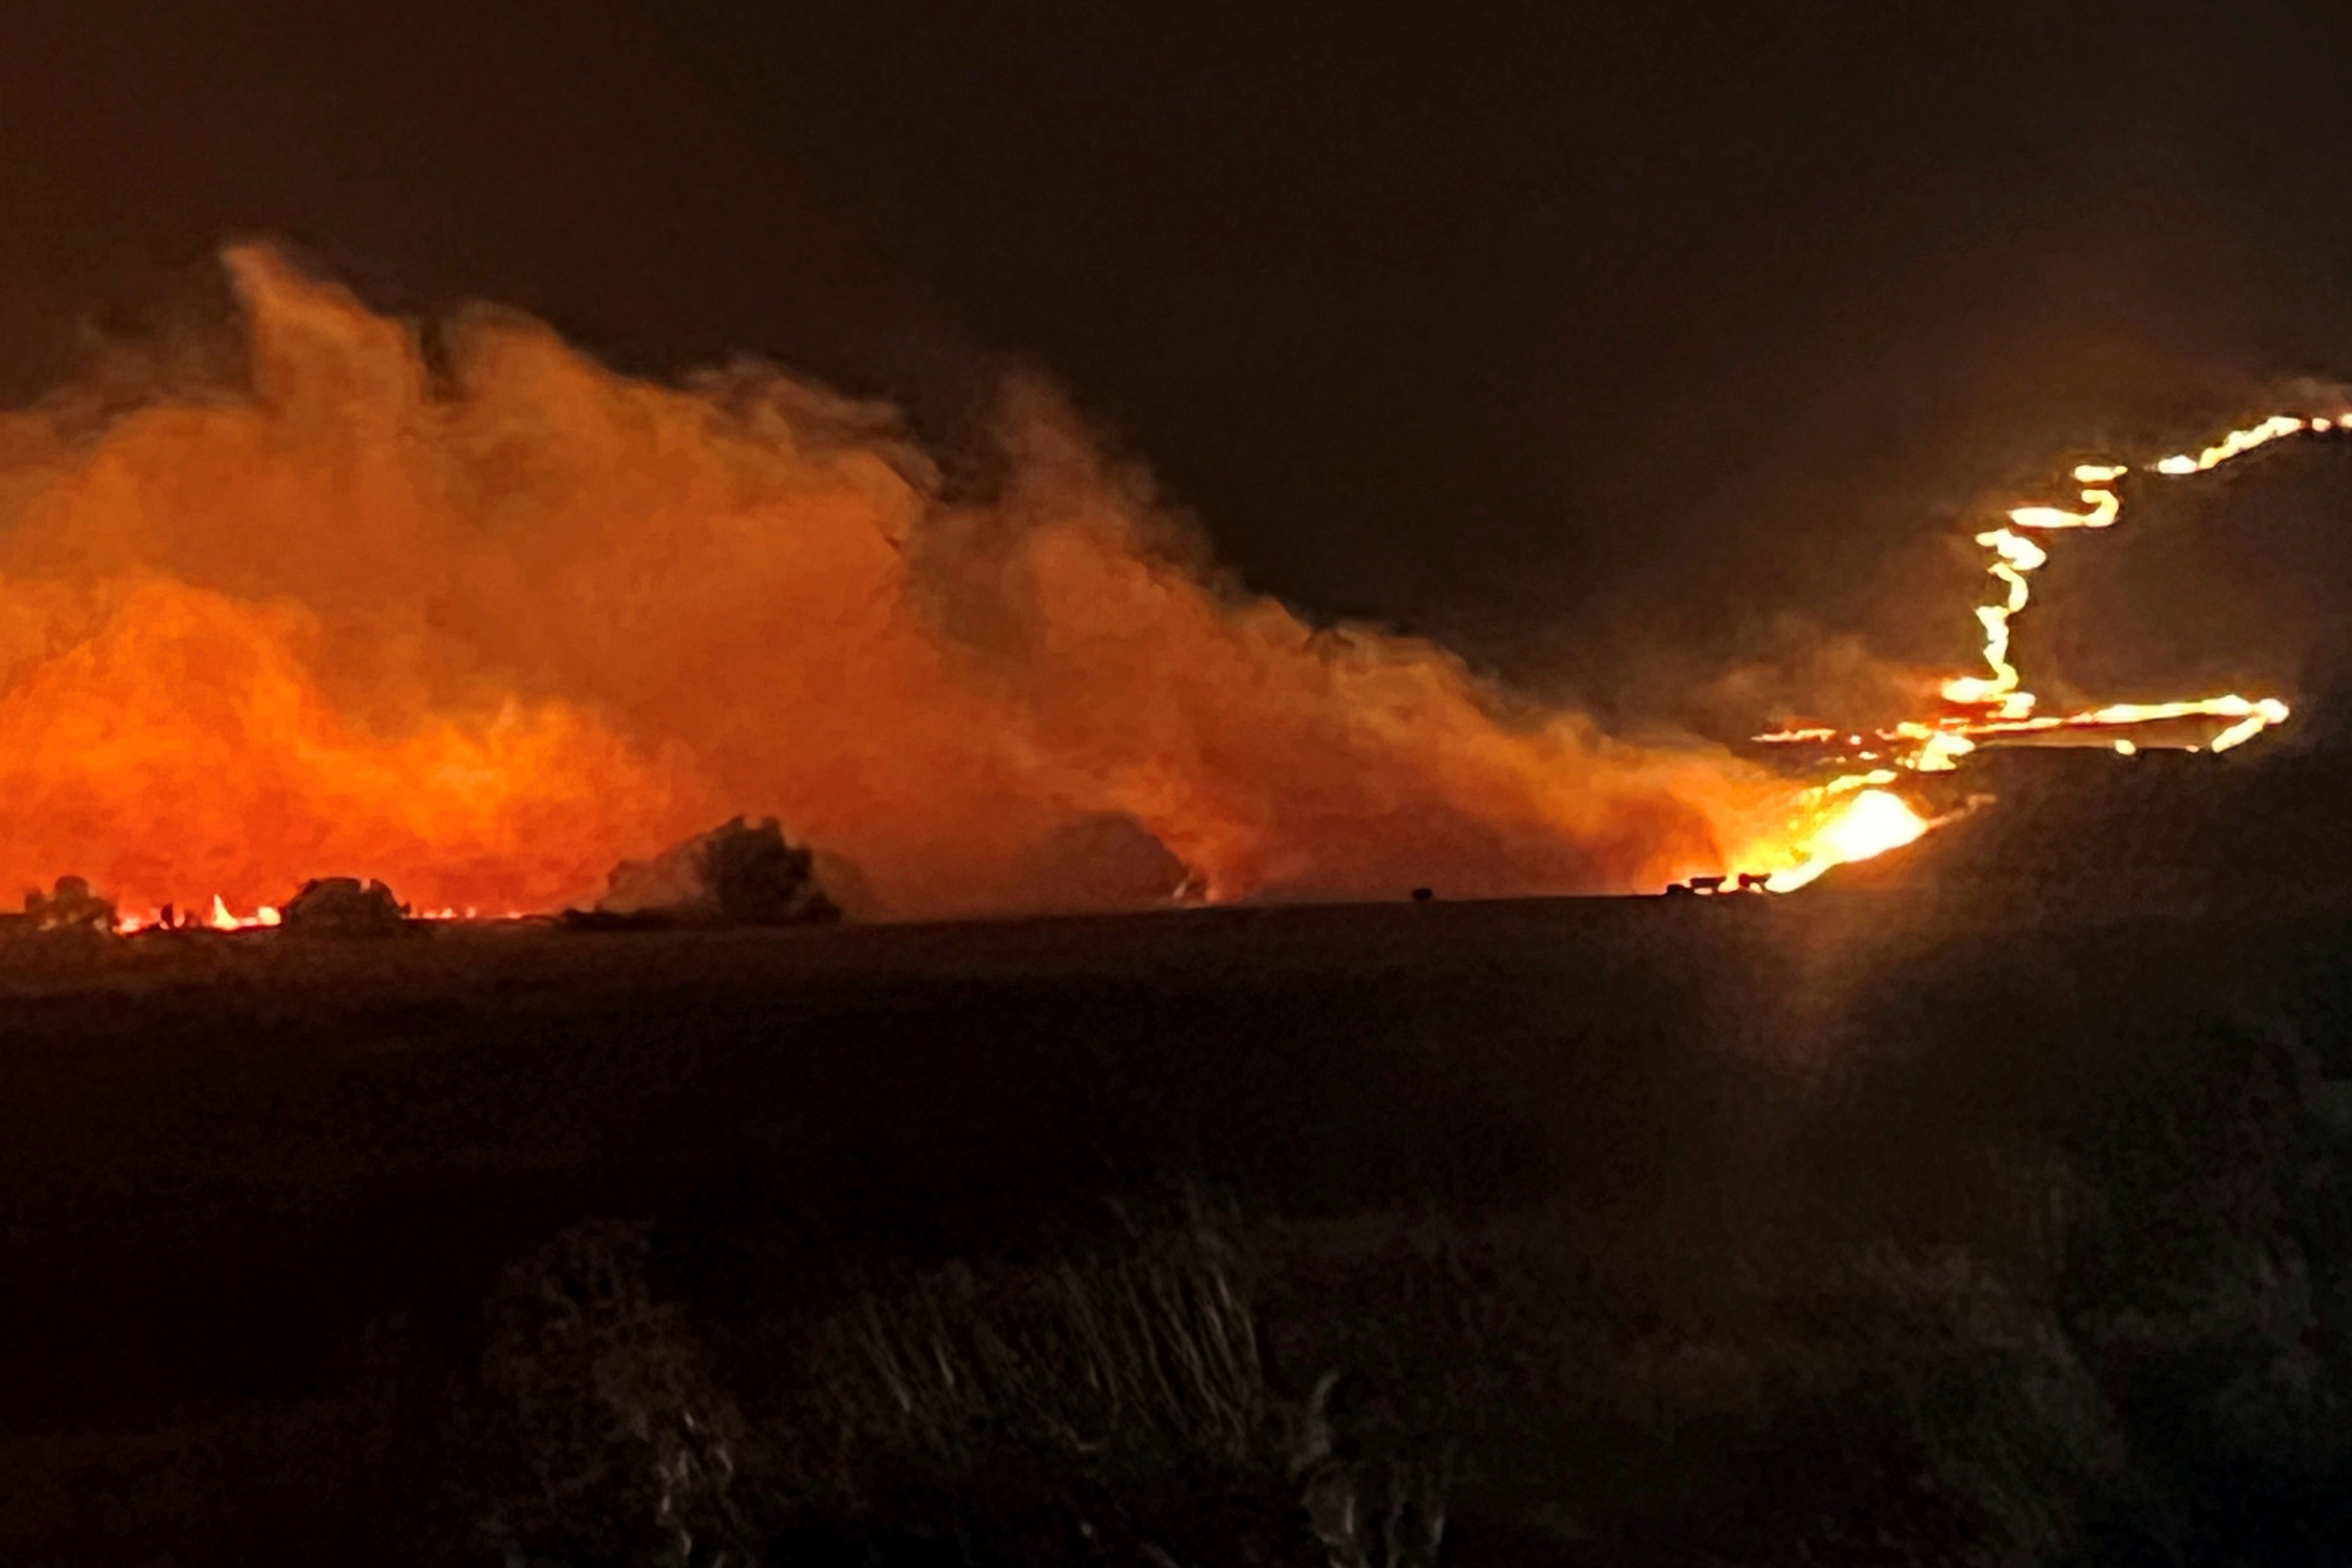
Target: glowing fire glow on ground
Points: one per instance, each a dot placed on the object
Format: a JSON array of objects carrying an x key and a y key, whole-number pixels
[{"x": 1995, "y": 705}]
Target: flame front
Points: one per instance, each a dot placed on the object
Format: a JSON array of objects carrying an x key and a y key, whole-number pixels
[
  {"x": 1857, "y": 819},
  {"x": 1874, "y": 821}
]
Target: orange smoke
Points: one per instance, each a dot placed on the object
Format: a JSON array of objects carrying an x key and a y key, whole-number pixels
[
  {"x": 485, "y": 621},
  {"x": 180, "y": 742}
]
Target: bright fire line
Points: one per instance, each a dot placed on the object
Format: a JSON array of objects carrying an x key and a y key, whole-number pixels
[{"x": 1854, "y": 816}]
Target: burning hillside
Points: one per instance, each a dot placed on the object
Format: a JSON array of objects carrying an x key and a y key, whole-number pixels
[
  {"x": 1995, "y": 707},
  {"x": 466, "y": 611}
]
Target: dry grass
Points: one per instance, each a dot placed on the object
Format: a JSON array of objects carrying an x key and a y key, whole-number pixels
[{"x": 1098, "y": 1361}]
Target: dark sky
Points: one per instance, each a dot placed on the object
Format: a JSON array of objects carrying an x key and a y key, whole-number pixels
[{"x": 1557, "y": 330}]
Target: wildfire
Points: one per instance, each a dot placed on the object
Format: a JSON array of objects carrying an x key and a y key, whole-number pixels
[
  {"x": 1995, "y": 705},
  {"x": 485, "y": 621}
]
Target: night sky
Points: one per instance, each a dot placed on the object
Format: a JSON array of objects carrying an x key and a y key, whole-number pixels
[{"x": 1595, "y": 340}]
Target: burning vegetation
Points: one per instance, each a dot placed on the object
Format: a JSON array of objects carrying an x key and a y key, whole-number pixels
[
  {"x": 1995, "y": 706},
  {"x": 478, "y": 616},
  {"x": 459, "y": 608}
]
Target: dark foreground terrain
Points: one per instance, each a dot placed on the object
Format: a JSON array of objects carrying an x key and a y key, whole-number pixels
[{"x": 1949, "y": 1220}]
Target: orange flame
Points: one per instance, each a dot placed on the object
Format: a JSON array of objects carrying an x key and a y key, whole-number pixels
[{"x": 1873, "y": 822}]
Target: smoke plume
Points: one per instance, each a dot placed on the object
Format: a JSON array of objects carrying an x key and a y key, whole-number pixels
[{"x": 470, "y": 612}]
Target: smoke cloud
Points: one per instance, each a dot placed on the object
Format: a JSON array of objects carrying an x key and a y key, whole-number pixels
[{"x": 469, "y": 611}]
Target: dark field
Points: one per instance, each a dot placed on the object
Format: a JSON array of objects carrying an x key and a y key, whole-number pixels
[{"x": 1957, "y": 1219}]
